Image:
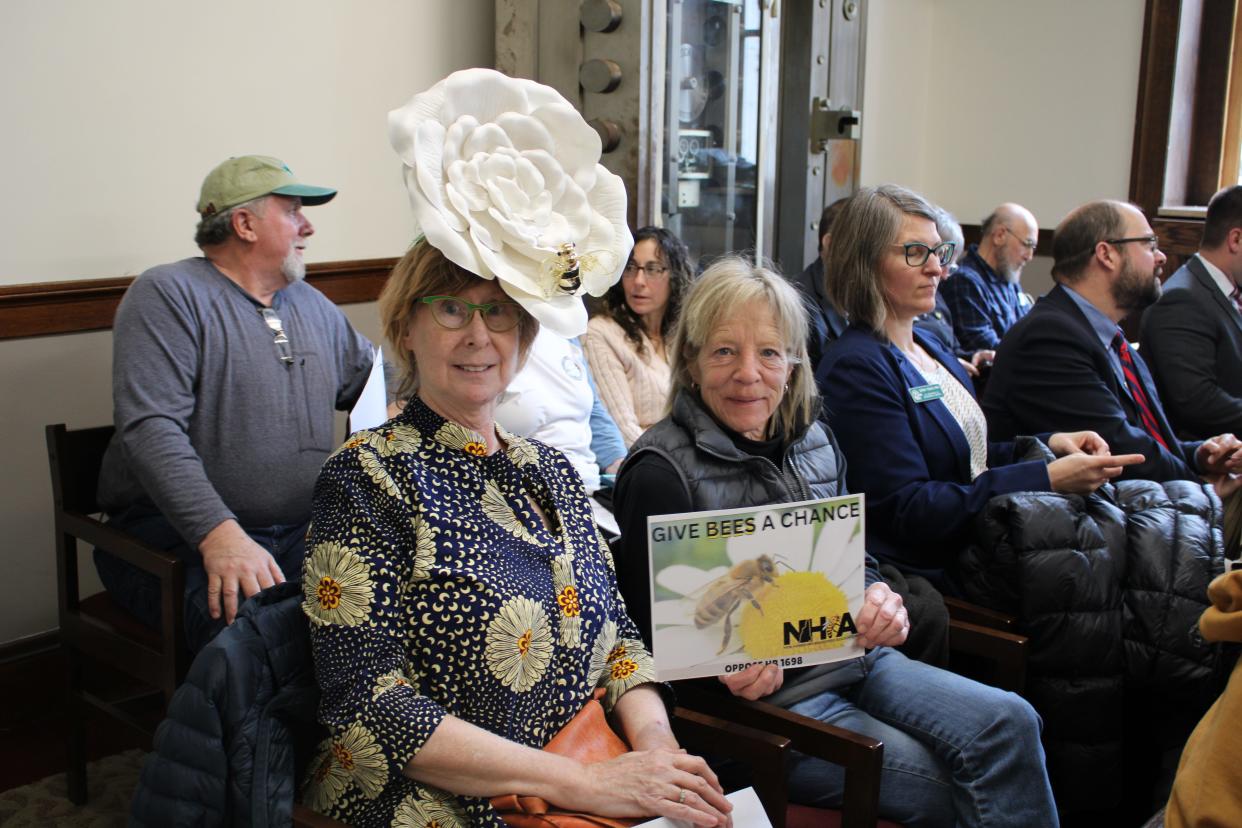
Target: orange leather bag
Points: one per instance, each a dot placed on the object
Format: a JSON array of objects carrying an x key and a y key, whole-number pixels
[{"x": 587, "y": 738}]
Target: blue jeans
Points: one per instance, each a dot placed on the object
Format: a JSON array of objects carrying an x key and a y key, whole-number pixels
[
  {"x": 139, "y": 593},
  {"x": 956, "y": 752}
]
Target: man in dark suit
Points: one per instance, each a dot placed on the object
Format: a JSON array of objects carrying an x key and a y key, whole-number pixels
[
  {"x": 1066, "y": 365},
  {"x": 1192, "y": 337},
  {"x": 826, "y": 322}
]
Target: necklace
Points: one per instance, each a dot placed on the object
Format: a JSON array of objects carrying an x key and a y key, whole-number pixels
[{"x": 921, "y": 359}]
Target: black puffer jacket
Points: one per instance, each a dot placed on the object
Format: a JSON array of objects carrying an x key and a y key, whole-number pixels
[
  {"x": 225, "y": 754},
  {"x": 1109, "y": 588}
]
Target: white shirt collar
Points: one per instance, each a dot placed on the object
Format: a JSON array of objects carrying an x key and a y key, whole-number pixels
[{"x": 1218, "y": 276}]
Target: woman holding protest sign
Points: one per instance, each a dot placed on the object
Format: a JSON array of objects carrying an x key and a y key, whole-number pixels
[{"x": 742, "y": 431}]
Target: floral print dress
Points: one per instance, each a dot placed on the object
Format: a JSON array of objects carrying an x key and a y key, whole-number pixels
[{"x": 434, "y": 588}]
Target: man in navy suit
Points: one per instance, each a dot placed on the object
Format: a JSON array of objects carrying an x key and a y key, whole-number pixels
[
  {"x": 1066, "y": 365},
  {"x": 1192, "y": 337}
]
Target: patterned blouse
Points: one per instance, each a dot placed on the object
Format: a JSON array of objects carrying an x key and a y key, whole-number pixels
[{"x": 433, "y": 589}]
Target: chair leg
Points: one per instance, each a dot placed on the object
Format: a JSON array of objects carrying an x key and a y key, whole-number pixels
[{"x": 75, "y": 742}]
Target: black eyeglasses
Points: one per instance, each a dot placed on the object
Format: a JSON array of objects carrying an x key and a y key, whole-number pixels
[
  {"x": 918, "y": 253},
  {"x": 1152, "y": 242},
  {"x": 1027, "y": 243},
  {"x": 653, "y": 270},
  {"x": 283, "y": 347},
  {"x": 455, "y": 314}
]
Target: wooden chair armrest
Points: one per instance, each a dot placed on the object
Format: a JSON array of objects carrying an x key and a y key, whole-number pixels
[
  {"x": 861, "y": 756},
  {"x": 1006, "y": 651},
  {"x": 764, "y": 753},
  {"x": 974, "y": 614},
  {"x": 121, "y": 544}
]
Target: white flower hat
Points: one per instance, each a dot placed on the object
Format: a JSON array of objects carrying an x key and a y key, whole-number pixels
[{"x": 502, "y": 173}]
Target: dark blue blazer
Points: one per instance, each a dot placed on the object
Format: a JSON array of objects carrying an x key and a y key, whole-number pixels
[
  {"x": 911, "y": 459},
  {"x": 1192, "y": 340},
  {"x": 1053, "y": 373}
]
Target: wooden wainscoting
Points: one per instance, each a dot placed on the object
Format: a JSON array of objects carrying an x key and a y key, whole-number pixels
[{"x": 46, "y": 308}]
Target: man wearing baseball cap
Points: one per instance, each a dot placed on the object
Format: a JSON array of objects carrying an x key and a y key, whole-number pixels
[{"x": 227, "y": 368}]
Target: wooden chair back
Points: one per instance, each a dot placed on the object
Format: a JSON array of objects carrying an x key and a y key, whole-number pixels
[{"x": 95, "y": 629}]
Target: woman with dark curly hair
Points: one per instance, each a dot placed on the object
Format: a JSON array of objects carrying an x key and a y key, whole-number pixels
[{"x": 625, "y": 343}]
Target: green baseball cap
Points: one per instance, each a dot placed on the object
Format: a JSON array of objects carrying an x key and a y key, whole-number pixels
[{"x": 239, "y": 180}]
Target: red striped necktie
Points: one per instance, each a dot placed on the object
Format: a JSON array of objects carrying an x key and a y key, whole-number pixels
[
  {"x": 1236, "y": 296},
  {"x": 1130, "y": 370}
]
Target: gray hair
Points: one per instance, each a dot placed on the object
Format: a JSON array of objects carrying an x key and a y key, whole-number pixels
[
  {"x": 731, "y": 282},
  {"x": 950, "y": 231},
  {"x": 217, "y": 228},
  {"x": 867, "y": 225}
]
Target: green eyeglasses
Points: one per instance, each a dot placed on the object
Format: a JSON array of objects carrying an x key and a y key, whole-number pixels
[
  {"x": 918, "y": 253},
  {"x": 455, "y": 314}
]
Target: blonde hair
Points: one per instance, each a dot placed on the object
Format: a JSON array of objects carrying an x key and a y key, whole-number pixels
[
  {"x": 731, "y": 283},
  {"x": 424, "y": 271}
]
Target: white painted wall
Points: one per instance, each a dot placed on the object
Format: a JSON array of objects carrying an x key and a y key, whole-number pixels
[
  {"x": 978, "y": 102},
  {"x": 113, "y": 113}
]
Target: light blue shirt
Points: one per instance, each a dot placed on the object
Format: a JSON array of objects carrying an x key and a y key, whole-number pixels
[{"x": 1105, "y": 328}]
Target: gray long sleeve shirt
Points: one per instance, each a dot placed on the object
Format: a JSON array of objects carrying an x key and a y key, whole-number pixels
[{"x": 210, "y": 423}]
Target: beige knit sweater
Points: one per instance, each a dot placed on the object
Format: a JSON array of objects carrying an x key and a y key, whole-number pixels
[{"x": 633, "y": 388}]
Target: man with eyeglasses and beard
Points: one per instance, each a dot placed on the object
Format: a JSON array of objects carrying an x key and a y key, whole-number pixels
[
  {"x": 227, "y": 369},
  {"x": 984, "y": 296},
  {"x": 1067, "y": 365}
]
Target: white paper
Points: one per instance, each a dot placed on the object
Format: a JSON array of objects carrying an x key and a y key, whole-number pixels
[
  {"x": 371, "y": 410},
  {"x": 747, "y": 813}
]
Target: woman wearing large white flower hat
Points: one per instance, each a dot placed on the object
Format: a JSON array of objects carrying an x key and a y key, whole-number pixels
[
  {"x": 742, "y": 430},
  {"x": 463, "y": 606}
]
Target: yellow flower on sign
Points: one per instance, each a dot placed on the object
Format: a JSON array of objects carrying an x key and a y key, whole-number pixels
[
  {"x": 519, "y": 644},
  {"x": 824, "y": 620},
  {"x": 336, "y": 586}
]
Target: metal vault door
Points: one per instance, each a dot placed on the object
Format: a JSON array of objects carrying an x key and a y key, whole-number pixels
[{"x": 732, "y": 122}]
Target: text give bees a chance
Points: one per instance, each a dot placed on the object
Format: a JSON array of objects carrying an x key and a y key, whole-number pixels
[{"x": 778, "y": 585}]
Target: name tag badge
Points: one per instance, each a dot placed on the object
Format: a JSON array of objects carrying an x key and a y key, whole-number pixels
[{"x": 927, "y": 393}]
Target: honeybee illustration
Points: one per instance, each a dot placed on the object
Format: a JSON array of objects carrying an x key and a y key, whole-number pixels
[
  {"x": 747, "y": 580},
  {"x": 566, "y": 266}
]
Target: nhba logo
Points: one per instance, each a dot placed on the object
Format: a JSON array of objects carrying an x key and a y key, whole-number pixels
[{"x": 808, "y": 630}]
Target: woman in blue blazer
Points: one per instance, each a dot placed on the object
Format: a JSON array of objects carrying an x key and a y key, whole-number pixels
[{"x": 903, "y": 409}]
